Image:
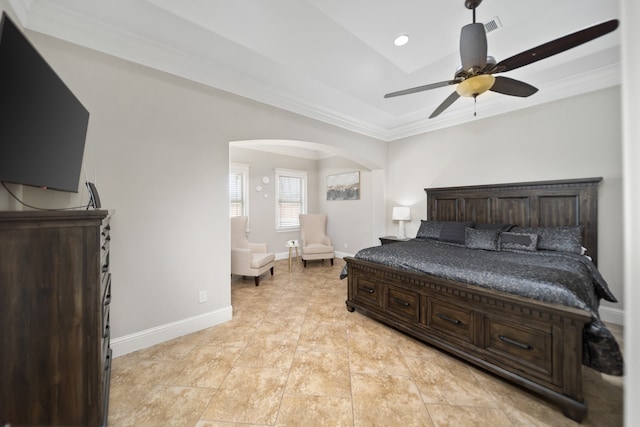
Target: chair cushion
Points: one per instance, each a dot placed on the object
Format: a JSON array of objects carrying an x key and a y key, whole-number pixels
[
  {"x": 317, "y": 248},
  {"x": 261, "y": 259}
]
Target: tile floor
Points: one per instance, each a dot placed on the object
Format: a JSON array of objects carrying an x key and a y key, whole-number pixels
[{"x": 294, "y": 356}]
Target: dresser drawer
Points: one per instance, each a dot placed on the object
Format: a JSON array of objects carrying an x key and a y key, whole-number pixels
[
  {"x": 367, "y": 290},
  {"x": 451, "y": 319},
  {"x": 404, "y": 303},
  {"x": 106, "y": 304},
  {"x": 105, "y": 235},
  {"x": 524, "y": 347},
  {"x": 105, "y": 246},
  {"x": 106, "y": 368}
]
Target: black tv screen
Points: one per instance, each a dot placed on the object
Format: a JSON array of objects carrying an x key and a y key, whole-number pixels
[{"x": 43, "y": 126}]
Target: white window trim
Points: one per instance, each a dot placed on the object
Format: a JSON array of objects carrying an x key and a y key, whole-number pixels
[
  {"x": 243, "y": 169},
  {"x": 291, "y": 173}
]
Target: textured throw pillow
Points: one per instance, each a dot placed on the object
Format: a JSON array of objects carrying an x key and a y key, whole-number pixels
[
  {"x": 518, "y": 241},
  {"x": 429, "y": 229},
  {"x": 564, "y": 239},
  {"x": 454, "y": 232},
  {"x": 482, "y": 239}
]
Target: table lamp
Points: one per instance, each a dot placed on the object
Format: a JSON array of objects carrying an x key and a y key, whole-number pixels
[{"x": 401, "y": 214}]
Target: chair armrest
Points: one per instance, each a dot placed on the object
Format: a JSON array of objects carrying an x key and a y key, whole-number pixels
[
  {"x": 326, "y": 241},
  {"x": 240, "y": 260}
]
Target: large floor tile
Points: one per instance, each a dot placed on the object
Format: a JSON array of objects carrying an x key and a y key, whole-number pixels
[
  {"x": 167, "y": 406},
  {"x": 320, "y": 374},
  {"x": 249, "y": 395},
  {"x": 315, "y": 411},
  {"x": 384, "y": 400}
]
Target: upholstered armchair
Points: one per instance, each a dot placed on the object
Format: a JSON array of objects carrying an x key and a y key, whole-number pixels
[
  {"x": 314, "y": 242},
  {"x": 248, "y": 259}
]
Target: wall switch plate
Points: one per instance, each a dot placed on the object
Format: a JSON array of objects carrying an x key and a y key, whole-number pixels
[{"x": 202, "y": 297}]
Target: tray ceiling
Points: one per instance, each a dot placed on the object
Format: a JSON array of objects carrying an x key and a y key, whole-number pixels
[{"x": 333, "y": 60}]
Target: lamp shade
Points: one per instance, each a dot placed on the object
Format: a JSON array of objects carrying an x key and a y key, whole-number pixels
[
  {"x": 401, "y": 213},
  {"x": 477, "y": 85}
]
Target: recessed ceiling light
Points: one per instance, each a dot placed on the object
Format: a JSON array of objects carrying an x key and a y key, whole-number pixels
[{"x": 401, "y": 40}]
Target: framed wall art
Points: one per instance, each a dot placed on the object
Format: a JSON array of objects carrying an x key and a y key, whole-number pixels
[{"x": 344, "y": 186}]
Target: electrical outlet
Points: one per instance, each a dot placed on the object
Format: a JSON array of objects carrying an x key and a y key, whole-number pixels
[
  {"x": 345, "y": 245},
  {"x": 202, "y": 297}
]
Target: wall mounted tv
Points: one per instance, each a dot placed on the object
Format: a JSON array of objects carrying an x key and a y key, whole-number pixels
[{"x": 43, "y": 126}]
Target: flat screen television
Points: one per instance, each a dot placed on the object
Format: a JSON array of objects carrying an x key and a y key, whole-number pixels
[{"x": 43, "y": 125}]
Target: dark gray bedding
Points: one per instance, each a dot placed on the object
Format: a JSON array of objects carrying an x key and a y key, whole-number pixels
[{"x": 550, "y": 276}]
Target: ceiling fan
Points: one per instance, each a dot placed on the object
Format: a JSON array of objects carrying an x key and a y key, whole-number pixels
[{"x": 476, "y": 74}]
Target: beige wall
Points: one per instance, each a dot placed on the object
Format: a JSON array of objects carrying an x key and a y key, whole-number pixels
[
  {"x": 351, "y": 223},
  {"x": 631, "y": 178}
]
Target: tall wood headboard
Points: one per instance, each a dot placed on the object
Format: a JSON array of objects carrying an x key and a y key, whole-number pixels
[{"x": 539, "y": 204}]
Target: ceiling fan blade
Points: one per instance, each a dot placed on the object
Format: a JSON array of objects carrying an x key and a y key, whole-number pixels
[
  {"x": 445, "y": 104},
  {"x": 556, "y": 46},
  {"x": 508, "y": 86},
  {"x": 420, "y": 88},
  {"x": 473, "y": 46}
]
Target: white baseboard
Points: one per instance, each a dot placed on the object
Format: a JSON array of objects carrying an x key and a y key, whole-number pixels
[
  {"x": 159, "y": 334},
  {"x": 282, "y": 255},
  {"x": 612, "y": 315},
  {"x": 342, "y": 254}
]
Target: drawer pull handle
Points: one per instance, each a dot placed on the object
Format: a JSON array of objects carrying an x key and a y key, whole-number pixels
[
  {"x": 514, "y": 342},
  {"x": 399, "y": 301},
  {"x": 448, "y": 319},
  {"x": 368, "y": 289}
]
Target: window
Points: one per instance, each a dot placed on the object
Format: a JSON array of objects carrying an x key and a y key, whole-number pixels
[
  {"x": 238, "y": 186},
  {"x": 291, "y": 198}
]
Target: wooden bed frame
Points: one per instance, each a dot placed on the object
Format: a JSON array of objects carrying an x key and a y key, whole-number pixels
[{"x": 531, "y": 343}]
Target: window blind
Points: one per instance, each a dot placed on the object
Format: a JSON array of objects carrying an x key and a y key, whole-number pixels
[
  {"x": 290, "y": 199},
  {"x": 237, "y": 193}
]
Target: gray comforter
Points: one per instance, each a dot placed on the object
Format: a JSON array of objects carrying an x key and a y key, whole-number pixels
[{"x": 555, "y": 277}]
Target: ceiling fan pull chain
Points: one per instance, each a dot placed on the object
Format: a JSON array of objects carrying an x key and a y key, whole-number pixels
[{"x": 475, "y": 101}]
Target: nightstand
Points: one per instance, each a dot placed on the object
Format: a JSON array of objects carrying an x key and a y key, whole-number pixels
[{"x": 391, "y": 239}]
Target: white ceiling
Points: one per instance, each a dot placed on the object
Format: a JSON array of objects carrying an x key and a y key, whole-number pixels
[{"x": 333, "y": 60}]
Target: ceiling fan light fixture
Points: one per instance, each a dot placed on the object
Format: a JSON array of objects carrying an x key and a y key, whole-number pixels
[
  {"x": 476, "y": 85},
  {"x": 401, "y": 40}
]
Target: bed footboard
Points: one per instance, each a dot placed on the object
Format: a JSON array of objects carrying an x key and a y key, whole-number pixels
[{"x": 534, "y": 344}]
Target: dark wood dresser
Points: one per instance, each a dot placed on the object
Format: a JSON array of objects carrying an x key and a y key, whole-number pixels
[{"x": 55, "y": 291}]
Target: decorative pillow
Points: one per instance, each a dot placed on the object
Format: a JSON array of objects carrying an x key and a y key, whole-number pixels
[
  {"x": 564, "y": 239},
  {"x": 429, "y": 229},
  {"x": 518, "y": 241},
  {"x": 454, "y": 232},
  {"x": 482, "y": 239}
]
